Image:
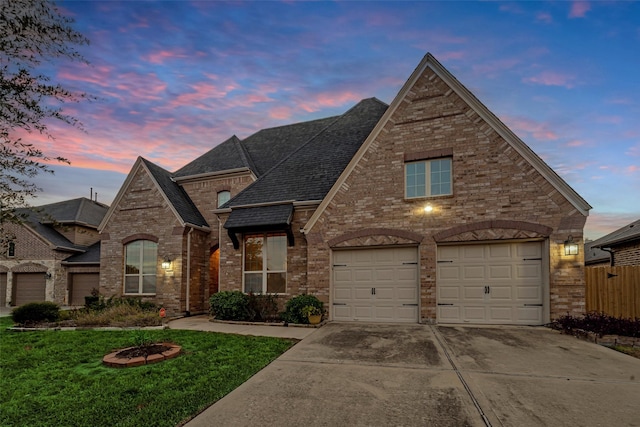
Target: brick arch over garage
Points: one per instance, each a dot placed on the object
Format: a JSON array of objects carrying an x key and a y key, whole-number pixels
[
  {"x": 376, "y": 237},
  {"x": 496, "y": 229}
]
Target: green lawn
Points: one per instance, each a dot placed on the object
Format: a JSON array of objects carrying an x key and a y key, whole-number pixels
[{"x": 56, "y": 378}]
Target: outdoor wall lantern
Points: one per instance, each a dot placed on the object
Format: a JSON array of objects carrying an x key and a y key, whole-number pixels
[
  {"x": 428, "y": 209},
  {"x": 166, "y": 264},
  {"x": 570, "y": 247}
]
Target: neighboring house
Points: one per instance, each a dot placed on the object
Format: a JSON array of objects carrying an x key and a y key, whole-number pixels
[
  {"x": 425, "y": 210},
  {"x": 54, "y": 255},
  {"x": 595, "y": 257},
  {"x": 622, "y": 246}
]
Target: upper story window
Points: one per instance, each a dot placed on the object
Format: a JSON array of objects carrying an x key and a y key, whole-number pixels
[
  {"x": 223, "y": 197},
  {"x": 141, "y": 259},
  {"x": 428, "y": 178},
  {"x": 265, "y": 263},
  {"x": 11, "y": 251}
]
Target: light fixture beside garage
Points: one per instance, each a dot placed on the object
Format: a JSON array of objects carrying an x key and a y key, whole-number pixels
[
  {"x": 428, "y": 209},
  {"x": 166, "y": 263},
  {"x": 570, "y": 247}
]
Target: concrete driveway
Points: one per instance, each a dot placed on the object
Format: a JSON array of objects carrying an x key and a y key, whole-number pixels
[{"x": 420, "y": 375}]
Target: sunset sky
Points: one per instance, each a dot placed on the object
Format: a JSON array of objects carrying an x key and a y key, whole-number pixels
[{"x": 174, "y": 79}]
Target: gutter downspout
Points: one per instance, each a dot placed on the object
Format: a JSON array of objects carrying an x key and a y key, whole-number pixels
[
  {"x": 188, "y": 312},
  {"x": 611, "y": 258}
]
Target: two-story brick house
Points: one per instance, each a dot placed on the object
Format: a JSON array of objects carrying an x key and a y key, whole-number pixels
[
  {"x": 54, "y": 255},
  {"x": 427, "y": 209}
]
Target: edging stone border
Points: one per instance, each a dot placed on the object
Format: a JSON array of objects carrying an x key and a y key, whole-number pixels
[{"x": 118, "y": 362}]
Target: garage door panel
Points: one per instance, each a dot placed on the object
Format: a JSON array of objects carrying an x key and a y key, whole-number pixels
[
  {"x": 29, "y": 287},
  {"x": 474, "y": 314},
  {"x": 449, "y": 293},
  {"x": 490, "y": 283},
  {"x": 499, "y": 252},
  {"x": 449, "y": 314},
  {"x": 473, "y": 253},
  {"x": 384, "y": 274},
  {"x": 473, "y": 272},
  {"x": 531, "y": 314},
  {"x": 473, "y": 293},
  {"x": 381, "y": 281},
  {"x": 447, "y": 272},
  {"x": 528, "y": 271},
  {"x": 497, "y": 272},
  {"x": 407, "y": 294},
  {"x": 342, "y": 293},
  {"x": 501, "y": 293},
  {"x": 530, "y": 293}
]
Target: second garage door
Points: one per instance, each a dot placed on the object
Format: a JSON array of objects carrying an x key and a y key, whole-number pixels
[
  {"x": 375, "y": 285},
  {"x": 498, "y": 283},
  {"x": 81, "y": 286}
]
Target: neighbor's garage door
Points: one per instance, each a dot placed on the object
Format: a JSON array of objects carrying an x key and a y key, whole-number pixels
[
  {"x": 490, "y": 283},
  {"x": 375, "y": 285},
  {"x": 81, "y": 286},
  {"x": 29, "y": 287}
]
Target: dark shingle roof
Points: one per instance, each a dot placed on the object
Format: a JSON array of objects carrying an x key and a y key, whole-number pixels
[
  {"x": 90, "y": 256},
  {"x": 231, "y": 154},
  {"x": 310, "y": 171},
  {"x": 268, "y": 147},
  {"x": 256, "y": 217},
  {"x": 176, "y": 195},
  {"x": 81, "y": 211},
  {"x": 622, "y": 235}
]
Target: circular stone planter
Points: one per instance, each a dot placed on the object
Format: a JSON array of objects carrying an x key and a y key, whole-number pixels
[{"x": 119, "y": 358}]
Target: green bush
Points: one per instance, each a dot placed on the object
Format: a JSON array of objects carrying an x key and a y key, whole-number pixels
[
  {"x": 294, "y": 308},
  {"x": 229, "y": 305},
  {"x": 36, "y": 312}
]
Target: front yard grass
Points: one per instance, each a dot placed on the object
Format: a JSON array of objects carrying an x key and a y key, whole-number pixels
[{"x": 56, "y": 378}]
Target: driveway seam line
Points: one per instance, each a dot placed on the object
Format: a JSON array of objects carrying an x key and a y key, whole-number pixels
[{"x": 442, "y": 342}]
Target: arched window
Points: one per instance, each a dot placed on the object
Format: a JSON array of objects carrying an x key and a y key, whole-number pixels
[
  {"x": 223, "y": 197},
  {"x": 141, "y": 259}
]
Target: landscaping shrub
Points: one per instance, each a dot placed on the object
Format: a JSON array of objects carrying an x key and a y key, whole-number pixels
[
  {"x": 293, "y": 309},
  {"x": 118, "y": 315},
  {"x": 262, "y": 308},
  {"x": 598, "y": 323},
  {"x": 229, "y": 305},
  {"x": 35, "y": 312}
]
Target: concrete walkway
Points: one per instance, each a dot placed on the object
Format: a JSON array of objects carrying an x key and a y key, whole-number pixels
[
  {"x": 421, "y": 375},
  {"x": 203, "y": 323}
]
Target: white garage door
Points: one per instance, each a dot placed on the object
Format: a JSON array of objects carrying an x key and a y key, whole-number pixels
[
  {"x": 499, "y": 283},
  {"x": 375, "y": 285}
]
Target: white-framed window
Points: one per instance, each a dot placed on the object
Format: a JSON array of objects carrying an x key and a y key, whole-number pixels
[
  {"x": 428, "y": 178},
  {"x": 223, "y": 197},
  {"x": 140, "y": 267},
  {"x": 265, "y": 263}
]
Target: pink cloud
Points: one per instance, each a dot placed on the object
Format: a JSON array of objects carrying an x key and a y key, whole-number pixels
[
  {"x": 540, "y": 131},
  {"x": 445, "y": 56},
  {"x": 281, "y": 113},
  {"x": 492, "y": 67},
  {"x": 550, "y": 78},
  {"x": 579, "y": 9},
  {"x": 163, "y": 55},
  {"x": 632, "y": 169},
  {"x": 601, "y": 224},
  {"x": 329, "y": 99},
  {"x": 633, "y": 151}
]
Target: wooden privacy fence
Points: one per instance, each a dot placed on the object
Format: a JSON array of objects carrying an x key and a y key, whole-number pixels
[{"x": 613, "y": 290}]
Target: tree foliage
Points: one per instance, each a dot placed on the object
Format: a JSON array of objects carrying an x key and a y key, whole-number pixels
[{"x": 33, "y": 33}]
